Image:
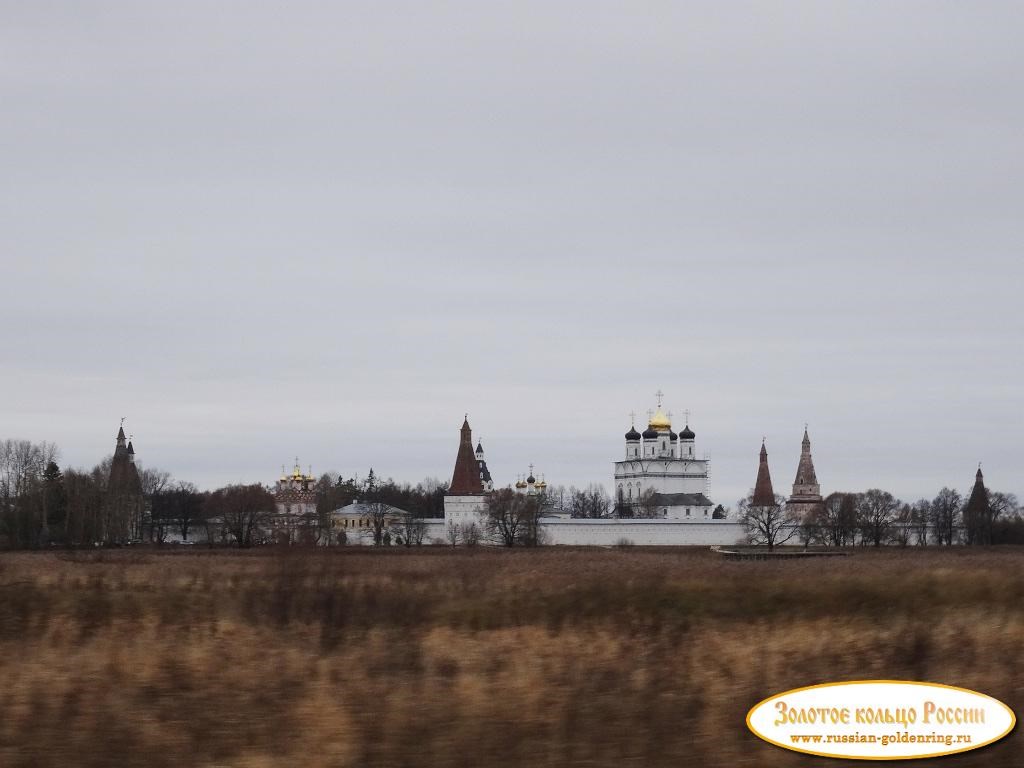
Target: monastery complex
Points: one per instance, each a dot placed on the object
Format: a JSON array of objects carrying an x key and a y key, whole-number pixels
[{"x": 662, "y": 492}]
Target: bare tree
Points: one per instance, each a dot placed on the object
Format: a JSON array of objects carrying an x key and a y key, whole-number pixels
[
  {"x": 945, "y": 512},
  {"x": 409, "y": 528},
  {"x": 537, "y": 507},
  {"x": 811, "y": 530},
  {"x": 378, "y": 515},
  {"x": 876, "y": 513},
  {"x": 837, "y": 519},
  {"x": 451, "y": 534},
  {"x": 590, "y": 502},
  {"x": 153, "y": 480},
  {"x": 1002, "y": 505},
  {"x": 244, "y": 510},
  {"x": 513, "y": 518},
  {"x": 920, "y": 516},
  {"x": 767, "y": 524},
  {"x": 178, "y": 508},
  {"x": 903, "y": 526},
  {"x": 646, "y": 507},
  {"x": 469, "y": 533},
  {"x": 22, "y": 512}
]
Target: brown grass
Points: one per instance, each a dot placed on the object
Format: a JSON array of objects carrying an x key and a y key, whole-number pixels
[{"x": 625, "y": 657}]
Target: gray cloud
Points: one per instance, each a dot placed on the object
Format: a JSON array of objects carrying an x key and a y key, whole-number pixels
[{"x": 330, "y": 229}]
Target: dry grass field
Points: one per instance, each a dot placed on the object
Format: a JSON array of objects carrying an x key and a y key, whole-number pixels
[{"x": 552, "y": 657}]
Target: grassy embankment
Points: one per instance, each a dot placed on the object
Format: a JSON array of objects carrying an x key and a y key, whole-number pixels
[{"x": 475, "y": 658}]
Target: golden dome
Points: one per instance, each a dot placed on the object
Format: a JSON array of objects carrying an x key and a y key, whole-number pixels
[{"x": 660, "y": 421}]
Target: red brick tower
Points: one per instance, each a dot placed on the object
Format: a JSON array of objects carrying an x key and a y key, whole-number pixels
[
  {"x": 764, "y": 496},
  {"x": 466, "y": 477}
]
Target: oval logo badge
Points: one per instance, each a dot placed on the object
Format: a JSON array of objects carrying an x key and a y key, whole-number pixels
[{"x": 880, "y": 720}]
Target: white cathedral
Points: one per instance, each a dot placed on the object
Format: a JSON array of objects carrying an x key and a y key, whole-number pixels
[{"x": 662, "y": 476}]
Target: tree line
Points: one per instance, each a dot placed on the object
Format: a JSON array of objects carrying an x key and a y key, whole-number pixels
[
  {"x": 43, "y": 505},
  {"x": 876, "y": 517}
]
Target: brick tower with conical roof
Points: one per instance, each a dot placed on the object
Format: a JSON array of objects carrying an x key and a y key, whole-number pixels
[
  {"x": 466, "y": 497},
  {"x": 764, "y": 495},
  {"x": 123, "y": 507},
  {"x": 466, "y": 477},
  {"x": 977, "y": 514},
  {"x": 806, "y": 498}
]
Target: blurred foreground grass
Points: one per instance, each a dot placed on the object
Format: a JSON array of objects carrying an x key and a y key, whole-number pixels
[{"x": 551, "y": 657}]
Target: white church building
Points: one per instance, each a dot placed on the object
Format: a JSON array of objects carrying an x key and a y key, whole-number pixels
[{"x": 662, "y": 474}]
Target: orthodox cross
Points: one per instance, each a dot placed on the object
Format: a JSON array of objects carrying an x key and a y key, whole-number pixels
[
  {"x": 659, "y": 394},
  {"x": 687, "y": 414},
  {"x": 122, "y": 420},
  {"x": 650, "y": 414},
  {"x": 632, "y": 418}
]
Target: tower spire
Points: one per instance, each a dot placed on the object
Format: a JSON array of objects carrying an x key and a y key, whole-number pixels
[
  {"x": 806, "y": 481},
  {"x": 466, "y": 477},
  {"x": 764, "y": 495}
]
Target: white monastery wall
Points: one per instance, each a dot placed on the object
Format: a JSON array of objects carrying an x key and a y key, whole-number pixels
[{"x": 642, "y": 532}]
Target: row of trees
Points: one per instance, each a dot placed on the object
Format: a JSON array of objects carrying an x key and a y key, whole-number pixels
[
  {"x": 41, "y": 505},
  {"x": 249, "y": 515},
  {"x": 876, "y": 517}
]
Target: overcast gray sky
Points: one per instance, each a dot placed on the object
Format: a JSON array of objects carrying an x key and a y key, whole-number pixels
[{"x": 261, "y": 230}]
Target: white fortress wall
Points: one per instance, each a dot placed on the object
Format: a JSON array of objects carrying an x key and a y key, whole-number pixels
[{"x": 609, "y": 532}]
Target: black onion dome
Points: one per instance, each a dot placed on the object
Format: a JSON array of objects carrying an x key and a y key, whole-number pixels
[
  {"x": 531, "y": 479},
  {"x": 687, "y": 433},
  {"x": 632, "y": 434},
  {"x": 672, "y": 435},
  {"x": 650, "y": 434}
]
